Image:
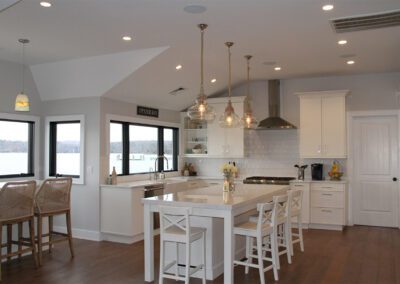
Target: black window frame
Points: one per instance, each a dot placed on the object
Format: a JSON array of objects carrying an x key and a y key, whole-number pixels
[
  {"x": 31, "y": 149},
  {"x": 160, "y": 141},
  {"x": 53, "y": 148}
]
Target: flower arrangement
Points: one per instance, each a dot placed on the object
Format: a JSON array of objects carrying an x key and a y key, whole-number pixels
[{"x": 228, "y": 170}]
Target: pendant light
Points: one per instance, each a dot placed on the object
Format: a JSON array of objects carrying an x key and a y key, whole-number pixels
[
  {"x": 201, "y": 111},
  {"x": 229, "y": 119},
  {"x": 248, "y": 120},
  {"x": 22, "y": 100}
]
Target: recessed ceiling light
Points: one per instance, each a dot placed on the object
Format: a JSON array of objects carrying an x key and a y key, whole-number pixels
[
  {"x": 45, "y": 4},
  {"x": 342, "y": 42},
  {"x": 127, "y": 38},
  {"x": 194, "y": 9},
  {"x": 213, "y": 80},
  {"x": 327, "y": 7},
  {"x": 277, "y": 68},
  {"x": 178, "y": 67},
  {"x": 351, "y": 62}
]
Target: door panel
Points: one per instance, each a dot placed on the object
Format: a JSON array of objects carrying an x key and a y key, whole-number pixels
[
  {"x": 310, "y": 132},
  {"x": 333, "y": 127},
  {"x": 375, "y": 148}
]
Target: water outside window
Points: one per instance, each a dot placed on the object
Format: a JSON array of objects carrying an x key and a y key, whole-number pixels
[
  {"x": 168, "y": 149},
  {"x": 14, "y": 147},
  {"x": 143, "y": 148},
  {"x": 68, "y": 148},
  {"x": 116, "y": 147}
]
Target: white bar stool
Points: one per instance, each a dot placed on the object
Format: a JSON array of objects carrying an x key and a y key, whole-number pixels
[
  {"x": 295, "y": 207},
  {"x": 175, "y": 228},
  {"x": 265, "y": 226},
  {"x": 283, "y": 230}
]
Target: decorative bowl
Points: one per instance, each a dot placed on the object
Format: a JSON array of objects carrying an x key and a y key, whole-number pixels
[{"x": 197, "y": 151}]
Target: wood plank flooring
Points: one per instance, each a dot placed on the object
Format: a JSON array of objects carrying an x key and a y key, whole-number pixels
[{"x": 357, "y": 255}]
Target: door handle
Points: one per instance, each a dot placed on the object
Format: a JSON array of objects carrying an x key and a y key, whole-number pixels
[{"x": 394, "y": 179}]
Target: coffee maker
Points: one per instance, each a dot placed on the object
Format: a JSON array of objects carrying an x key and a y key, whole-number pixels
[{"x": 317, "y": 171}]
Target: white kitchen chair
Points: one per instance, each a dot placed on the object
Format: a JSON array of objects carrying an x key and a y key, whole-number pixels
[
  {"x": 175, "y": 228},
  {"x": 265, "y": 227},
  {"x": 295, "y": 207}
]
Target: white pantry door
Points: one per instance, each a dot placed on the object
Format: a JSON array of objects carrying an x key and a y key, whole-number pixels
[{"x": 375, "y": 147}]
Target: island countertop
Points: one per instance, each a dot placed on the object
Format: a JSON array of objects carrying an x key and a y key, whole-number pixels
[{"x": 213, "y": 197}]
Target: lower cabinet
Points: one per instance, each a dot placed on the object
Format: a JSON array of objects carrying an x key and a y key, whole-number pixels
[{"x": 328, "y": 205}]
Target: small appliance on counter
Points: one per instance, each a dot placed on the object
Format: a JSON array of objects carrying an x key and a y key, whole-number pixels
[
  {"x": 300, "y": 171},
  {"x": 317, "y": 171}
]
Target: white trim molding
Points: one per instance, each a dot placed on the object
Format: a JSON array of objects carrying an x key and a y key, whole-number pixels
[
  {"x": 81, "y": 118},
  {"x": 80, "y": 233},
  {"x": 36, "y": 143}
]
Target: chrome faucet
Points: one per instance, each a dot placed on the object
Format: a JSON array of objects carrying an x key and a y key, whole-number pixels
[{"x": 156, "y": 174}]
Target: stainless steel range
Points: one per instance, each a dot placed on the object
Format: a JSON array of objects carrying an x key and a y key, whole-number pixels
[{"x": 268, "y": 180}]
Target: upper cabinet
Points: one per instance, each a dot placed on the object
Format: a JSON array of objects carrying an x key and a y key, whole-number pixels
[
  {"x": 323, "y": 124},
  {"x": 213, "y": 140}
]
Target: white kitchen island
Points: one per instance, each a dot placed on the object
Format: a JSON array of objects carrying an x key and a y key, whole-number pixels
[{"x": 208, "y": 202}]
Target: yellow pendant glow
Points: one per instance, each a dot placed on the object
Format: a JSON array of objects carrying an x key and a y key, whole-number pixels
[{"x": 22, "y": 102}]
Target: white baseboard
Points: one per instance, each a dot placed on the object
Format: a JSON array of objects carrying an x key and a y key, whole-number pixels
[
  {"x": 121, "y": 239},
  {"x": 80, "y": 233},
  {"x": 326, "y": 227}
]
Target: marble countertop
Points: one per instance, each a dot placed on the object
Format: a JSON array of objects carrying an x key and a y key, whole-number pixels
[{"x": 214, "y": 198}]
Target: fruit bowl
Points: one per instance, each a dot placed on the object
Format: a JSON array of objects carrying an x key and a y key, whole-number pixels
[{"x": 335, "y": 175}]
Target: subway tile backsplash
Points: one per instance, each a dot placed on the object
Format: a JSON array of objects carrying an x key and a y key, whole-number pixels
[{"x": 269, "y": 153}]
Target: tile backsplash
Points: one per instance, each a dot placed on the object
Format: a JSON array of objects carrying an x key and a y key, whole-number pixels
[{"x": 269, "y": 153}]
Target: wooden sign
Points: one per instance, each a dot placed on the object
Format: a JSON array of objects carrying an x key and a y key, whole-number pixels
[{"x": 147, "y": 111}]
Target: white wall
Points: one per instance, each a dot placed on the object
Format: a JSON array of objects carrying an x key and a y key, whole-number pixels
[{"x": 274, "y": 152}]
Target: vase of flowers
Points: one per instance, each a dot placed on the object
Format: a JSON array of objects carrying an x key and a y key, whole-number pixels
[{"x": 229, "y": 171}]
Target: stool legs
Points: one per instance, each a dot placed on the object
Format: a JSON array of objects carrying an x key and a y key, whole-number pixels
[
  {"x": 204, "y": 258},
  {"x": 20, "y": 234},
  {"x": 300, "y": 226},
  {"x": 32, "y": 237},
  {"x": 260, "y": 259},
  {"x": 69, "y": 231},
  {"x": 39, "y": 239},
  {"x": 1, "y": 243},
  {"x": 187, "y": 267},
  {"x": 9, "y": 240},
  {"x": 50, "y": 233}
]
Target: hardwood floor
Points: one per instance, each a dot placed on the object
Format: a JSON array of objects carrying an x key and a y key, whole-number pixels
[{"x": 357, "y": 255}]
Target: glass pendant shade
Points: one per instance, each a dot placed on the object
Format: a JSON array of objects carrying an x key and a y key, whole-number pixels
[
  {"x": 22, "y": 102},
  {"x": 229, "y": 119},
  {"x": 248, "y": 120},
  {"x": 201, "y": 111}
]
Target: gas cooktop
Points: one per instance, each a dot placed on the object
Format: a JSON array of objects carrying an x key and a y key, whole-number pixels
[{"x": 268, "y": 180}]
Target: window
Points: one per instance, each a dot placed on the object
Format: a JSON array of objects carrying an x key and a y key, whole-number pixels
[
  {"x": 65, "y": 147},
  {"x": 134, "y": 148},
  {"x": 16, "y": 148}
]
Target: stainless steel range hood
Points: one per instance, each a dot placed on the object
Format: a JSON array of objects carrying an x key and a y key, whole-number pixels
[{"x": 274, "y": 121}]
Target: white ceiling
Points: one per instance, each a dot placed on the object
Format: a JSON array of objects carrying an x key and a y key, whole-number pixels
[{"x": 295, "y": 33}]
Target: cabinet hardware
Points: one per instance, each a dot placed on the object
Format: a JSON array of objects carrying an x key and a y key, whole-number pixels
[
  {"x": 326, "y": 187},
  {"x": 298, "y": 185},
  {"x": 327, "y": 194},
  {"x": 326, "y": 211}
]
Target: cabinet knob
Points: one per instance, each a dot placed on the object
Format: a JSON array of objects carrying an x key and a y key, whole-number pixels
[{"x": 394, "y": 179}]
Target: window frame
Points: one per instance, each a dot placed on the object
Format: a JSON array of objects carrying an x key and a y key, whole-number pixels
[
  {"x": 51, "y": 150},
  {"x": 32, "y": 143},
  {"x": 160, "y": 140}
]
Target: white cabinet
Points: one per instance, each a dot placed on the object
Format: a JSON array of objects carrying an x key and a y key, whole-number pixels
[
  {"x": 215, "y": 141},
  {"x": 121, "y": 214},
  {"x": 323, "y": 124},
  {"x": 328, "y": 205},
  {"x": 305, "y": 210}
]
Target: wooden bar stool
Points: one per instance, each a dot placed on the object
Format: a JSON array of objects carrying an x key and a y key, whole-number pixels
[
  {"x": 175, "y": 228},
  {"x": 17, "y": 207},
  {"x": 295, "y": 207},
  {"x": 53, "y": 198},
  {"x": 265, "y": 226}
]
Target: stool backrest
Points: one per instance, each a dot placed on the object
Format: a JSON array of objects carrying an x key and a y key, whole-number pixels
[
  {"x": 17, "y": 200},
  {"x": 176, "y": 218},
  {"x": 54, "y": 195},
  {"x": 295, "y": 201},
  {"x": 281, "y": 208},
  {"x": 265, "y": 214}
]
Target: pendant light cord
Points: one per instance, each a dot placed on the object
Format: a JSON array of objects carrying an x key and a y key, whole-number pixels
[
  {"x": 229, "y": 72},
  {"x": 202, "y": 63},
  {"x": 248, "y": 77},
  {"x": 23, "y": 68}
]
